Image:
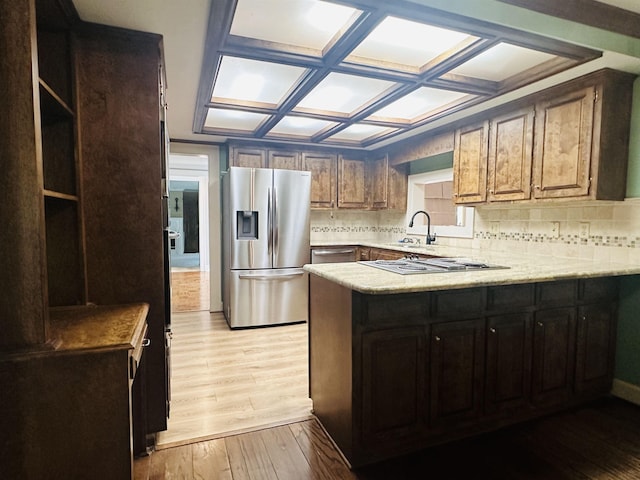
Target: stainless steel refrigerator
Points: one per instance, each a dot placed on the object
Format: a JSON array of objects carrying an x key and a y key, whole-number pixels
[{"x": 265, "y": 243}]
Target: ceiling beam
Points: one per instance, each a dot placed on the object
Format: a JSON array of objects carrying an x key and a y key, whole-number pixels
[
  {"x": 220, "y": 18},
  {"x": 587, "y": 12}
]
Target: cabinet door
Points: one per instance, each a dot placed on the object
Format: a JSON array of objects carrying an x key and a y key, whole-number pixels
[
  {"x": 397, "y": 196},
  {"x": 508, "y": 368},
  {"x": 510, "y": 156},
  {"x": 553, "y": 356},
  {"x": 393, "y": 384},
  {"x": 323, "y": 170},
  {"x": 470, "y": 164},
  {"x": 595, "y": 348},
  {"x": 562, "y": 157},
  {"x": 379, "y": 182},
  {"x": 456, "y": 372},
  {"x": 248, "y": 157},
  {"x": 352, "y": 191},
  {"x": 284, "y": 160}
]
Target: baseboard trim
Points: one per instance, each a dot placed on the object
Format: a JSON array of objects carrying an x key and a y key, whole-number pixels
[{"x": 626, "y": 391}]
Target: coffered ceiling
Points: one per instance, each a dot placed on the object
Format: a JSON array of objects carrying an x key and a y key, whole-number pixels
[
  {"x": 356, "y": 82},
  {"x": 356, "y": 73}
]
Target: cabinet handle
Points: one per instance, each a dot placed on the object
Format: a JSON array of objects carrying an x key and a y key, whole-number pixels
[
  {"x": 492, "y": 330},
  {"x": 437, "y": 338},
  {"x": 540, "y": 324},
  {"x": 491, "y": 192},
  {"x": 146, "y": 342},
  {"x": 537, "y": 187},
  {"x": 584, "y": 318}
]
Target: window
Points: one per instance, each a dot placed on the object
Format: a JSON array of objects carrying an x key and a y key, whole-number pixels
[{"x": 432, "y": 192}]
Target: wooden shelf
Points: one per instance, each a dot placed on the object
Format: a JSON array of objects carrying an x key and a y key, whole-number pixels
[
  {"x": 52, "y": 107},
  {"x": 60, "y": 195}
]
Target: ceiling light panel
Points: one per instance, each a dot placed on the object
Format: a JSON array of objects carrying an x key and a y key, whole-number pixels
[
  {"x": 501, "y": 62},
  {"x": 300, "y": 126},
  {"x": 241, "y": 79},
  {"x": 233, "y": 119},
  {"x": 302, "y": 23},
  {"x": 359, "y": 132},
  {"x": 418, "y": 104},
  {"x": 405, "y": 42},
  {"x": 343, "y": 93}
]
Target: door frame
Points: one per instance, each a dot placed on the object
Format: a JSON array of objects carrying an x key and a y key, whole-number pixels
[{"x": 186, "y": 161}]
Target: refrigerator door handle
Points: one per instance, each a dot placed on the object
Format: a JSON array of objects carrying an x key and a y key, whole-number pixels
[
  {"x": 285, "y": 276},
  {"x": 269, "y": 225},
  {"x": 274, "y": 224}
]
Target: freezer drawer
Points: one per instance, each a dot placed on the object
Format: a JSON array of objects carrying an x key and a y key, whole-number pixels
[{"x": 267, "y": 297}]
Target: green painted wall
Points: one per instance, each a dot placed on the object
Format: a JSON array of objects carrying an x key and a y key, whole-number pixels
[
  {"x": 431, "y": 164},
  {"x": 224, "y": 158},
  {"x": 628, "y": 341},
  {"x": 633, "y": 172}
]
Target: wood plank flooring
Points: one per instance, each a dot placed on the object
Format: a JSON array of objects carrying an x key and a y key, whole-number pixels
[
  {"x": 600, "y": 441},
  {"x": 243, "y": 394},
  {"x": 227, "y": 381},
  {"x": 189, "y": 290}
]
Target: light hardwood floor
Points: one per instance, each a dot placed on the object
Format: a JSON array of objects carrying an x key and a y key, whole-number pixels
[
  {"x": 189, "y": 290},
  {"x": 227, "y": 381}
]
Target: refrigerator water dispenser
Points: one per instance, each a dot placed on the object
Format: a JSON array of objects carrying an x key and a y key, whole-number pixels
[{"x": 246, "y": 225}]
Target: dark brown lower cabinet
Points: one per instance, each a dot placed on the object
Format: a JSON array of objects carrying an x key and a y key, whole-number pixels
[
  {"x": 424, "y": 368},
  {"x": 393, "y": 380},
  {"x": 596, "y": 343},
  {"x": 554, "y": 344},
  {"x": 508, "y": 367},
  {"x": 456, "y": 364}
]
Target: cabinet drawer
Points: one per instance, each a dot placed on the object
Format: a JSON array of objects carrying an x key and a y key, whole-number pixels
[
  {"x": 395, "y": 309},
  {"x": 509, "y": 297},
  {"x": 593, "y": 290},
  {"x": 458, "y": 302},
  {"x": 364, "y": 253},
  {"x": 556, "y": 293}
]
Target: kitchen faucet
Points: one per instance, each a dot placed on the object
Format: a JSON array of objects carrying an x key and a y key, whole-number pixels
[{"x": 430, "y": 239}]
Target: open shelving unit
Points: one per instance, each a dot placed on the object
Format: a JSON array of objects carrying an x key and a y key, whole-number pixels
[{"x": 60, "y": 163}]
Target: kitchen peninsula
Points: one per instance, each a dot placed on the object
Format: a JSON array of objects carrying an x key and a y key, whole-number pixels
[{"x": 401, "y": 362}]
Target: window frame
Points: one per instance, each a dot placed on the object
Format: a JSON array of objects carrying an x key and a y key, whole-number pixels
[{"x": 415, "y": 202}]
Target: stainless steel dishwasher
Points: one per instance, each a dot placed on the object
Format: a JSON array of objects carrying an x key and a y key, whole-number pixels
[{"x": 333, "y": 254}]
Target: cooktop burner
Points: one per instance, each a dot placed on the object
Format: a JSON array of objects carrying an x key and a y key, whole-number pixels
[{"x": 407, "y": 266}]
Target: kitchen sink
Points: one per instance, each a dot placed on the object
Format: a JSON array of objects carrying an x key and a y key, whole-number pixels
[
  {"x": 406, "y": 245},
  {"x": 410, "y": 266}
]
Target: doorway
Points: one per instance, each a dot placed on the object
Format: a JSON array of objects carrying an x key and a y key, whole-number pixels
[
  {"x": 189, "y": 232},
  {"x": 224, "y": 380}
]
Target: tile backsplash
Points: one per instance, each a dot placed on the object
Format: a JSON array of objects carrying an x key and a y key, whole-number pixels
[
  {"x": 355, "y": 225},
  {"x": 586, "y": 230}
]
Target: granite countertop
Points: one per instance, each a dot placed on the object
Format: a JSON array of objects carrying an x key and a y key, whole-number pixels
[
  {"x": 98, "y": 327},
  {"x": 523, "y": 268}
]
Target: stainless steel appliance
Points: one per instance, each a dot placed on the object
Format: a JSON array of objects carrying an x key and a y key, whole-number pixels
[
  {"x": 410, "y": 266},
  {"x": 265, "y": 243},
  {"x": 333, "y": 254}
]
